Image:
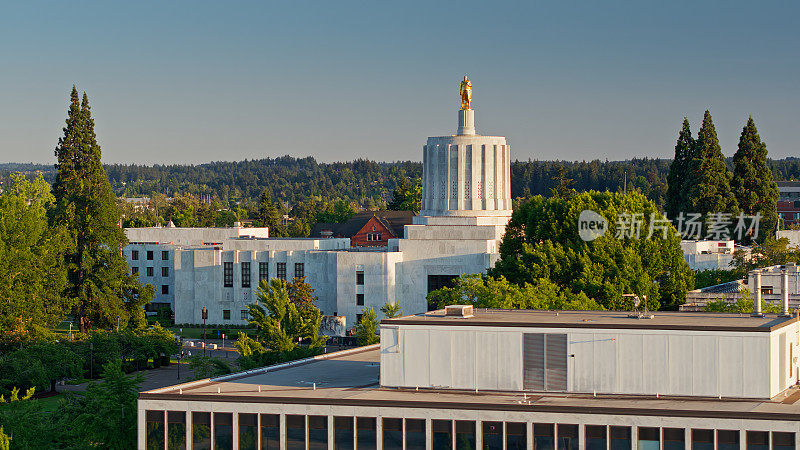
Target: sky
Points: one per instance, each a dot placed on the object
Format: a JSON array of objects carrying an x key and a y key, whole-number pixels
[{"x": 192, "y": 82}]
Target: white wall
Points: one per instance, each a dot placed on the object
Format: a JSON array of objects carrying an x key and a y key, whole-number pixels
[{"x": 638, "y": 361}]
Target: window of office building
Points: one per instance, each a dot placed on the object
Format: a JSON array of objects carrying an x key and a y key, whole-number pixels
[
  {"x": 134, "y": 270},
  {"x": 674, "y": 438},
  {"x": 465, "y": 435},
  {"x": 245, "y": 274},
  {"x": 703, "y": 440},
  {"x": 516, "y": 436},
  {"x": 567, "y": 436},
  {"x": 415, "y": 434},
  {"x": 149, "y": 255},
  {"x": 176, "y": 430},
  {"x": 155, "y": 429},
  {"x": 263, "y": 271},
  {"x": 165, "y": 271},
  {"x": 620, "y": 438},
  {"x": 756, "y": 440},
  {"x": 545, "y": 362},
  {"x": 295, "y": 432},
  {"x": 223, "y": 431},
  {"x": 392, "y": 434},
  {"x": 359, "y": 277},
  {"x": 648, "y": 438},
  {"x": 366, "y": 434},
  {"x": 766, "y": 290},
  {"x": 358, "y": 317},
  {"x": 248, "y": 432},
  {"x": 492, "y": 435},
  {"x": 201, "y": 430},
  {"x": 360, "y": 299},
  {"x": 244, "y": 314},
  {"x": 270, "y": 432},
  {"x": 318, "y": 432},
  {"x": 227, "y": 274},
  {"x": 226, "y": 314},
  {"x": 343, "y": 436},
  {"x": 164, "y": 289},
  {"x": 135, "y": 255},
  {"x": 543, "y": 435},
  {"x": 727, "y": 439},
  {"x": 596, "y": 438},
  {"x": 299, "y": 270},
  {"x": 436, "y": 282},
  {"x": 442, "y": 434},
  {"x": 149, "y": 271},
  {"x": 164, "y": 255},
  {"x": 782, "y": 441},
  {"x": 281, "y": 269}
]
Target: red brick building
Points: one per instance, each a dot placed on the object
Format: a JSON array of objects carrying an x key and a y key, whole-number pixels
[{"x": 368, "y": 228}]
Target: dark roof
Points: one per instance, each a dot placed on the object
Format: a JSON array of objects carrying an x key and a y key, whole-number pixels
[
  {"x": 393, "y": 220},
  {"x": 661, "y": 320}
]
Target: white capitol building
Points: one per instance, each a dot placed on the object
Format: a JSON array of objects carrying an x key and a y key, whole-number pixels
[{"x": 465, "y": 206}]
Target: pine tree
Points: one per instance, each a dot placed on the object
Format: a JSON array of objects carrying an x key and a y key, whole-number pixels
[
  {"x": 676, "y": 189},
  {"x": 99, "y": 283},
  {"x": 708, "y": 180},
  {"x": 753, "y": 182},
  {"x": 269, "y": 215}
]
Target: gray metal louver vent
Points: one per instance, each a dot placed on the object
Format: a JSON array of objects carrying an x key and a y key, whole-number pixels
[{"x": 545, "y": 362}]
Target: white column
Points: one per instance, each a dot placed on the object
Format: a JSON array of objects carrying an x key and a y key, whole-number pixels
[{"x": 784, "y": 293}]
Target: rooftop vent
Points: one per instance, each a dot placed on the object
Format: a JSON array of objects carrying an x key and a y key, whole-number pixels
[{"x": 458, "y": 311}]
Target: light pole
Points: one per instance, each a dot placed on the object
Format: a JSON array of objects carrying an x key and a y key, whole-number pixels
[{"x": 205, "y": 316}]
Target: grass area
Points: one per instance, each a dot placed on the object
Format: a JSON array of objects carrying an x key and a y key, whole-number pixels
[
  {"x": 76, "y": 381},
  {"x": 211, "y": 333},
  {"x": 50, "y": 403}
]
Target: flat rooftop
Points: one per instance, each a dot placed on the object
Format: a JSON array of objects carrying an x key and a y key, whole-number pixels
[
  {"x": 351, "y": 378},
  {"x": 661, "y": 320}
]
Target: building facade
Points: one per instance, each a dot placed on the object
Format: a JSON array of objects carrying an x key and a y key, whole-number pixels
[
  {"x": 465, "y": 207},
  {"x": 500, "y": 380}
]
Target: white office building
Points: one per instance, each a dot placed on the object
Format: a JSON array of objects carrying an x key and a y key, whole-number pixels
[
  {"x": 465, "y": 207},
  {"x": 502, "y": 380}
]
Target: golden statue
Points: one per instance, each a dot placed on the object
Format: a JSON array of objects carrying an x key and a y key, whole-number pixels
[{"x": 466, "y": 93}]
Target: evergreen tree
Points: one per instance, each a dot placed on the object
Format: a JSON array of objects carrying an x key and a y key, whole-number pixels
[
  {"x": 753, "y": 182},
  {"x": 676, "y": 189},
  {"x": 98, "y": 280},
  {"x": 269, "y": 215},
  {"x": 407, "y": 196},
  {"x": 708, "y": 182}
]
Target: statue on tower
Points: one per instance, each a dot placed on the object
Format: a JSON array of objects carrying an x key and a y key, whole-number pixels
[{"x": 466, "y": 93}]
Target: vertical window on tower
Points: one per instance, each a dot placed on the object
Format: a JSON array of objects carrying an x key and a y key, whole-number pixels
[
  {"x": 299, "y": 270},
  {"x": 165, "y": 271},
  {"x": 281, "y": 269},
  {"x": 134, "y": 270},
  {"x": 263, "y": 271},
  {"x": 359, "y": 278},
  {"x": 245, "y": 274},
  {"x": 135, "y": 255},
  {"x": 149, "y": 255},
  {"x": 149, "y": 271},
  {"x": 164, "y": 255},
  {"x": 227, "y": 274},
  {"x": 360, "y": 299}
]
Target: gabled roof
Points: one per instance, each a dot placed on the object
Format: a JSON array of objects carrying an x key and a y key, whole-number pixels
[{"x": 393, "y": 220}]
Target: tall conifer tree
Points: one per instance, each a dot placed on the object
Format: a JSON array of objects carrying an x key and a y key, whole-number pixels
[
  {"x": 676, "y": 188},
  {"x": 708, "y": 183},
  {"x": 753, "y": 182},
  {"x": 99, "y": 283}
]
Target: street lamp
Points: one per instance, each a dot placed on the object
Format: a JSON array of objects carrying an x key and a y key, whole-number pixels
[{"x": 205, "y": 316}]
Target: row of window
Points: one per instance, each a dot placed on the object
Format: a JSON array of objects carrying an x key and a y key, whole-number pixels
[
  {"x": 244, "y": 314},
  {"x": 262, "y": 431},
  {"x": 149, "y": 255},
  {"x": 149, "y": 271},
  {"x": 263, "y": 272}
]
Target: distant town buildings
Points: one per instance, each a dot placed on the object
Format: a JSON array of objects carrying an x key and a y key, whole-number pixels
[
  {"x": 777, "y": 285},
  {"x": 708, "y": 255},
  {"x": 789, "y": 203}
]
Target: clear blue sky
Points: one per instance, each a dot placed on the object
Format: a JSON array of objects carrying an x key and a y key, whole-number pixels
[{"x": 191, "y": 82}]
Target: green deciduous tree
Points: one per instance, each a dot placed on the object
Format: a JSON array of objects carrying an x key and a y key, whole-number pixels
[
  {"x": 97, "y": 274},
  {"x": 366, "y": 330},
  {"x": 707, "y": 183},
  {"x": 407, "y": 196},
  {"x": 753, "y": 182},
  {"x": 105, "y": 416},
  {"x": 542, "y": 242},
  {"x": 32, "y": 273},
  {"x": 678, "y": 170},
  {"x": 281, "y": 321}
]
